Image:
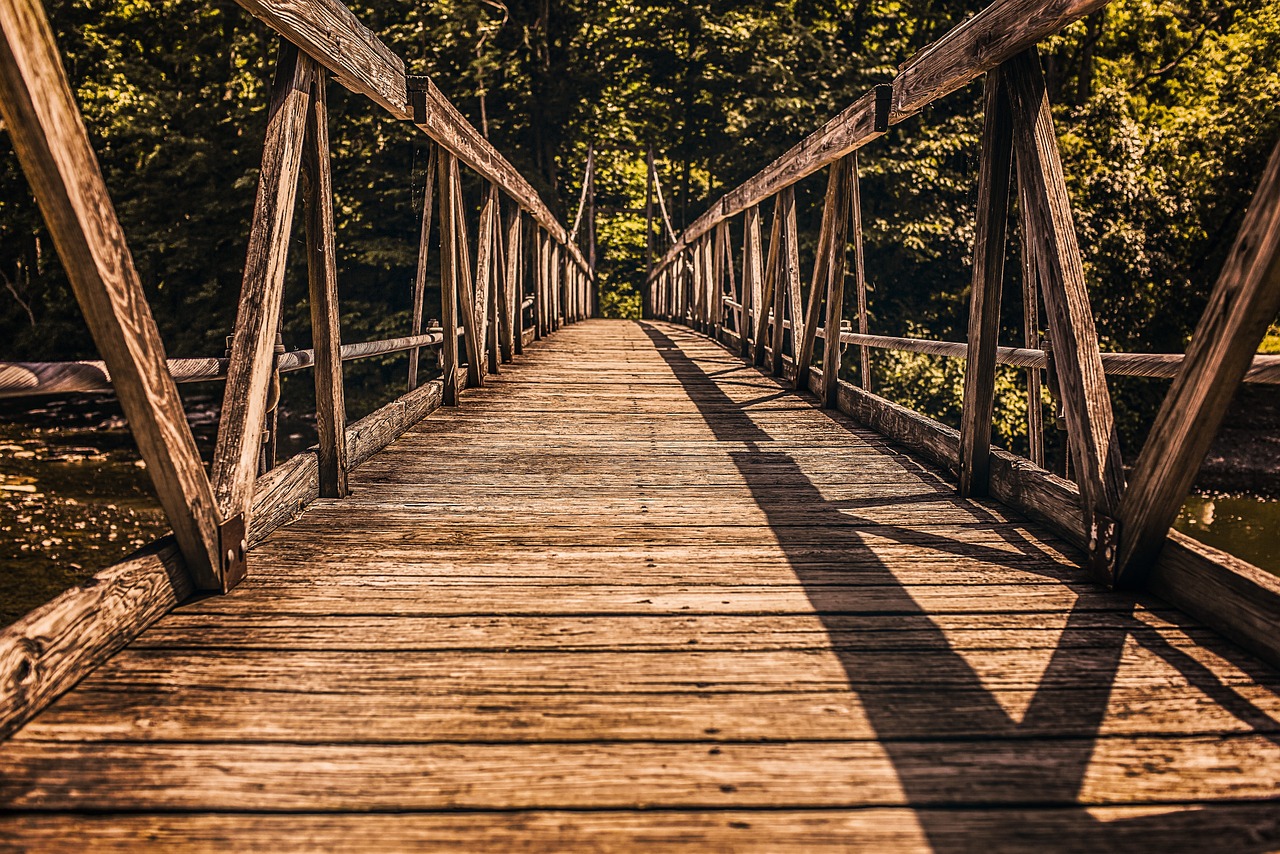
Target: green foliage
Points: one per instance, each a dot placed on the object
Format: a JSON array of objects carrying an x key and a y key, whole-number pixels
[{"x": 1166, "y": 112}]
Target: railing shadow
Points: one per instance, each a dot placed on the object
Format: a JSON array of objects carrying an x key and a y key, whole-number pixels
[{"x": 982, "y": 750}]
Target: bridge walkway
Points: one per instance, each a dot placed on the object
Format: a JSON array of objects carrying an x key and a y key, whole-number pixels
[{"x": 634, "y": 591}]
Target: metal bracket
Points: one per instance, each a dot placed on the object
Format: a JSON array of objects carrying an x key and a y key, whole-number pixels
[
  {"x": 416, "y": 87},
  {"x": 884, "y": 105},
  {"x": 1104, "y": 535},
  {"x": 234, "y": 545}
]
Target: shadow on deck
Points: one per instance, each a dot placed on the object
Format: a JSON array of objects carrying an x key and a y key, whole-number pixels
[{"x": 635, "y": 592}]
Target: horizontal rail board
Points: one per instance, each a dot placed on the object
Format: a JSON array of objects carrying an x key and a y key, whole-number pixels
[
  {"x": 997, "y": 33},
  {"x": 328, "y": 32},
  {"x": 20, "y": 379},
  {"x": 1265, "y": 369}
]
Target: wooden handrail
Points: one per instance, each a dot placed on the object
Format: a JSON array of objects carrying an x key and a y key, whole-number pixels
[
  {"x": 27, "y": 379},
  {"x": 331, "y": 34},
  {"x": 996, "y": 34}
]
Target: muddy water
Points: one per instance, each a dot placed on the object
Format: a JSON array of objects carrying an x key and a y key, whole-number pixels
[
  {"x": 74, "y": 496},
  {"x": 1247, "y": 527}
]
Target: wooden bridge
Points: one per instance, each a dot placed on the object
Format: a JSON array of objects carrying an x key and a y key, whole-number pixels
[{"x": 669, "y": 582}]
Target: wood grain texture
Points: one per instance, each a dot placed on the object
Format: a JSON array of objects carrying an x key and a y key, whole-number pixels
[
  {"x": 469, "y": 293},
  {"x": 52, "y": 145},
  {"x": 249, "y": 371},
  {"x": 1233, "y": 596},
  {"x": 819, "y": 283},
  {"x": 449, "y": 272},
  {"x": 1240, "y": 827},
  {"x": 1091, "y": 431},
  {"x": 420, "y": 274},
  {"x": 650, "y": 584},
  {"x": 845, "y": 210},
  {"x": 329, "y": 33},
  {"x": 986, "y": 287},
  {"x": 322, "y": 284},
  {"x": 1244, "y": 302},
  {"x": 996, "y": 34}
]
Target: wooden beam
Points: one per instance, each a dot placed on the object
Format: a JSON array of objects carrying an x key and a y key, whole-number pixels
[
  {"x": 322, "y": 284},
  {"x": 787, "y": 297},
  {"x": 819, "y": 283},
  {"x": 859, "y": 270},
  {"x": 752, "y": 278},
  {"x": 420, "y": 277},
  {"x": 766, "y": 292},
  {"x": 486, "y": 280},
  {"x": 235, "y": 456},
  {"x": 1244, "y": 302},
  {"x": 466, "y": 286},
  {"x": 448, "y": 167},
  {"x": 1031, "y": 340},
  {"x": 53, "y": 148},
  {"x": 508, "y": 289},
  {"x": 328, "y": 32},
  {"x": 987, "y": 285},
  {"x": 1042, "y": 189},
  {"x": 844, "y": 207}
]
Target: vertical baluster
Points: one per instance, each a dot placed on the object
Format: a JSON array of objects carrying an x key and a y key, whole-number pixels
[{"x": 322, "y": 285}]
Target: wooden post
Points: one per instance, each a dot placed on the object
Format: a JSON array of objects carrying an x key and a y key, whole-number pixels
[
  {"x": 449, "y": 277},
  {"x": 420, "y": 278},
  {"x": 859, "y": 270},
  {"x": 787, "y": 293},
  {"x": 467, "y": 290},
  {"x": 322, "y": 284},
  {"x": 847, "y": 210},
  {"x": 521, "y": 254},
  {"x": 53, "y": 149},
  {"x": 770, "y": 278},
  {"x": 727, "y": 250},
  {"x": 538, "y": 247},
  {"x": 832, "y": 208},
  {"x": 1090, "y": 424},
  {"x": 511, "y": 300},
  {"x": 752, "y": 281},
  {"x": 1243, "y": 304},
  {"x": 235, "y": 457},
  {"x": 649, "y": 309},
  {"x": 1031, "y": 340},
  {"x": 988, "y": 280},
  {"x": 486, "y": 273}
]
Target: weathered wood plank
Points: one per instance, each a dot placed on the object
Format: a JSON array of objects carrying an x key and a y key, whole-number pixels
[
  {"x": 820, "y": 283},
  {"x": 322, "y": 283},
  {"x": 986, "y": 287},
  {"x": 469, "y": 290},
  {"x": 420, "y": 274},
  {"x": 1239, "y": 826},
  {"x": 243, "y": 414},
  {"x": 449, "y": 272},
  {"x": 389, "y": 777},
  {"x": 49, "y": 137}
]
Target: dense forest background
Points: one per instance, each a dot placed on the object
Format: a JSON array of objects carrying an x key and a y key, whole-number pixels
[{"x": 1166, "y": 112}]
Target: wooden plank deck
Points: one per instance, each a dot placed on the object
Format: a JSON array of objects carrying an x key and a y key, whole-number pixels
[{"x": 634, "y": 592}]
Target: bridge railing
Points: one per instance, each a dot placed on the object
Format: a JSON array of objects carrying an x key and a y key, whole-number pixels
[
  {"x": 528, "y": 279},
  {"x": 1124, "y": 527}
]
